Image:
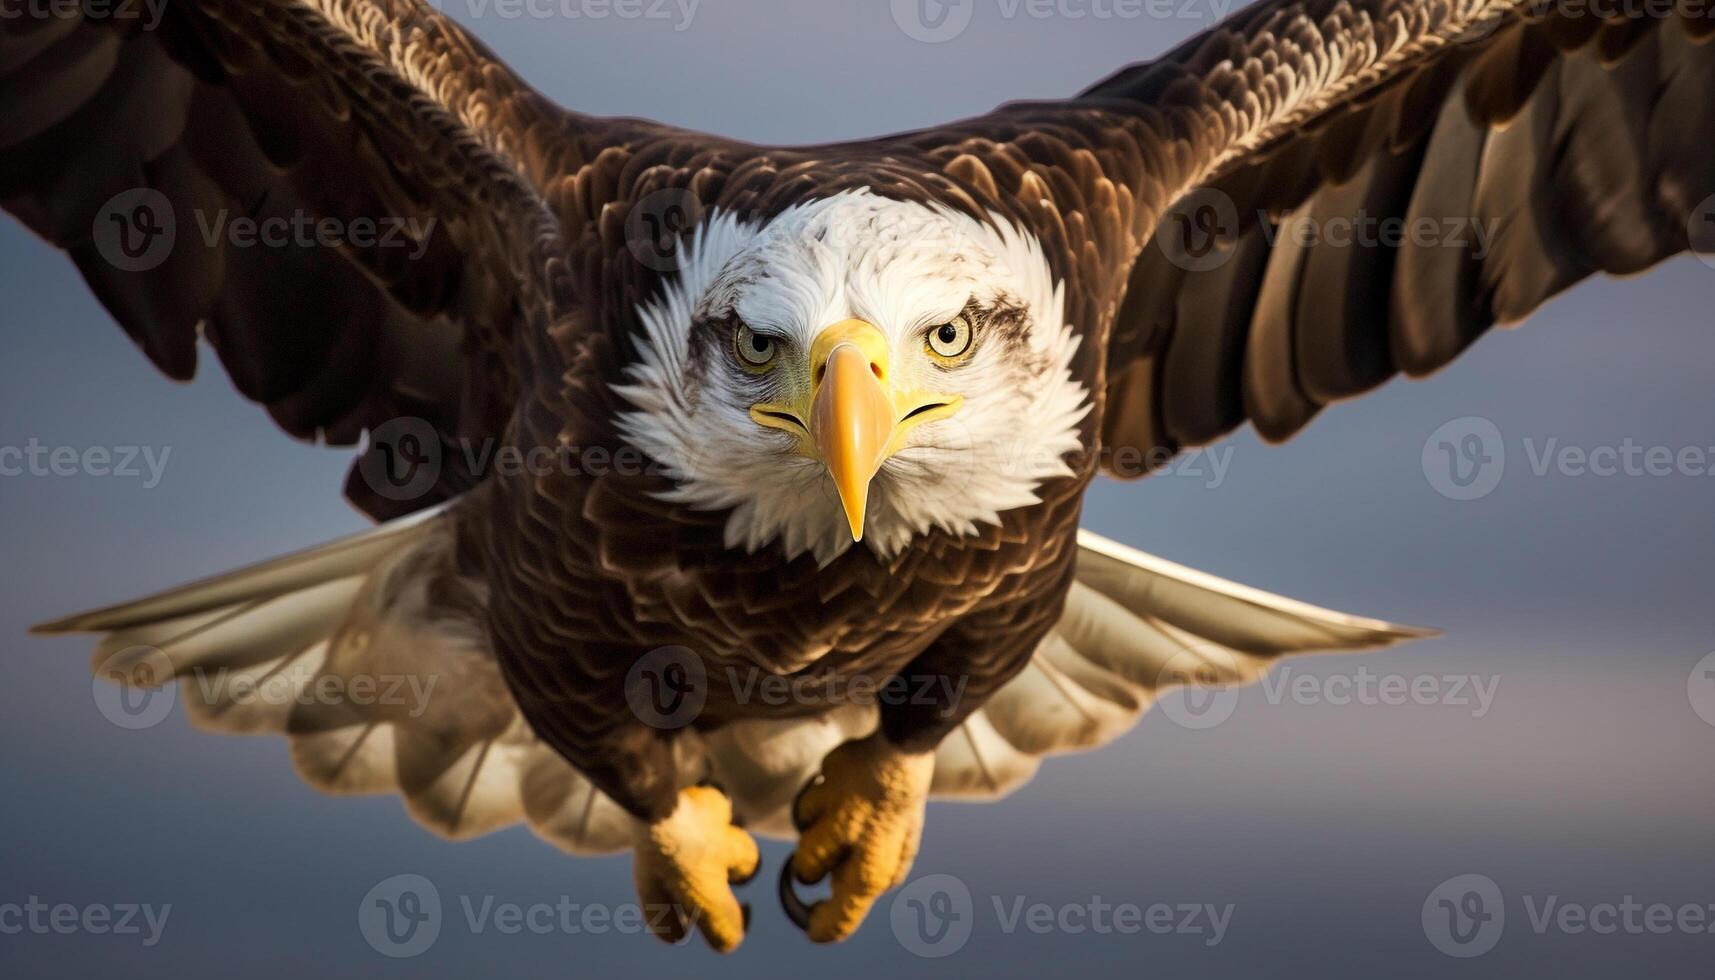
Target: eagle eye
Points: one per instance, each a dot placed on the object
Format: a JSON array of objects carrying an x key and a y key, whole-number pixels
[
  {"x": 756, "y": 351},
  {"x": 951, "y": 341}
]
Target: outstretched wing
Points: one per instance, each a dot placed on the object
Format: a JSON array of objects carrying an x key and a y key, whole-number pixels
[
  {"x": 1399, "y": 205},
  {"x": 1319, "y": 194},
  {"x": 370, "y": 656},
  {"x": 345, "y": 198}
]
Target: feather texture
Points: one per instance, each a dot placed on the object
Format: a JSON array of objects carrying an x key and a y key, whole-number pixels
[
  {"x": 353, "y": 652},
  {"x": 1531, "y": 153},
  {"x": 1134, "y": 627}
]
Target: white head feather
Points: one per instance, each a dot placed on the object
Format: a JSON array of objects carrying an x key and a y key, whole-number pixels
[{"x": 904, "y": 267}]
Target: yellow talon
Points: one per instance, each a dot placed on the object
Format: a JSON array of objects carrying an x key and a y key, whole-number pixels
[
  {"x": 861, "y": 823},
  {"x": 685, "y": 866}
]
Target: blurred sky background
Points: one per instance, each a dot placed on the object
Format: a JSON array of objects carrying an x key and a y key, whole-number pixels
[{"x": 1324, "y": 826}]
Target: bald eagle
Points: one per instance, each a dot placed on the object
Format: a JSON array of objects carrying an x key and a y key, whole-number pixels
[{"x": 721, "y": 484}]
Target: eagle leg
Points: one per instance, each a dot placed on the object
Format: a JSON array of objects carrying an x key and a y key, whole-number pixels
[
  {"x": 860, "y": 822},
  {"x": 685, "y": 865}
]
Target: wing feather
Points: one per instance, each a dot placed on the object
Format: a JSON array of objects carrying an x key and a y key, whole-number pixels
[
  {"x": 1507, "y": 163},
  {"x": 1134, "y": 626},
  {"x": 377, "y": 118}
]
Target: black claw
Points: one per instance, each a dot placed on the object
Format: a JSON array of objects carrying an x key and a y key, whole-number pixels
[
  {"x": 717, "y": 787},
  {"x": 798, "y": 823},
  {"x": 797, "y": 911},
  {"x": 744, "y": 912}
]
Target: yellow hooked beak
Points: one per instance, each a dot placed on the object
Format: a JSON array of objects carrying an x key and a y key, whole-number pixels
[{"x": 856, "y": 418}]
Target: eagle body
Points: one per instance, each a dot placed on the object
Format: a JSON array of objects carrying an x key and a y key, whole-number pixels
[
  {"x": 591, "y": 570},
  {"x": 858, "y": 619},
  {"x": 822, "y": 416}
]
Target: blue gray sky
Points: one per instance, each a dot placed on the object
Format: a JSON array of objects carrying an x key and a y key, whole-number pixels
[{"x": 1323, "y": 831}]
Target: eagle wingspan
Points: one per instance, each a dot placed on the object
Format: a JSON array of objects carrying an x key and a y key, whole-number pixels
[{"x": 351, "y": 108}]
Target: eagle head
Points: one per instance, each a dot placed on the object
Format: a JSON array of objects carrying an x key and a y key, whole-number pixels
[{"x": 856, "y": 369}]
